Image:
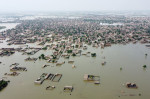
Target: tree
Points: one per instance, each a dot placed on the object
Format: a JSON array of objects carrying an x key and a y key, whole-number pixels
[
  {"x": 69, "y": 51},
  {"x": 144, "y": 66},
  {"x": 73, "y": 54},
  {"x": 93, "y": 54},
  {"x": 42, "y": 56},
  {"x": 44, "y": 48}
]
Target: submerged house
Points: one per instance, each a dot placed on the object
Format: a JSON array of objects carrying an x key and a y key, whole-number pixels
[
  {"x": 95, "y": 79},
  {"x": 68, "y": 88},
  {"x": 88, "y": 77}
]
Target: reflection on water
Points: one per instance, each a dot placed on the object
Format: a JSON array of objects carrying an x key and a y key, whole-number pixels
[{"x": 130, "y": 58}]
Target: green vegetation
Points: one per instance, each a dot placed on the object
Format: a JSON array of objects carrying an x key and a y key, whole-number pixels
[
  {"x": 42, "y": 56},
  {"x": 3, "y": 84},
  {"x": 69, "y": 51},
  {"x": 54, "y": 57},
  {"x": 76, "y": 46},
  {"x": 44, "y": 48},
  {"x": 120, "y": 68},
  {"x": 93, "y": 54},
  {"x": 90, "y": 76},
  {"x": 73, "y": 54},
  {"x": 144, "y": 66}
]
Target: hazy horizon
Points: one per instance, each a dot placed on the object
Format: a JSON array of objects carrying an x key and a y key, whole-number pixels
[{"x": 73, "y": 5}]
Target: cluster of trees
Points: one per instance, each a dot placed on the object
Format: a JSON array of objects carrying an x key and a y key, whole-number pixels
[
  {"x": 42, "y": 56},
  {"x": 93, "y": 54}
]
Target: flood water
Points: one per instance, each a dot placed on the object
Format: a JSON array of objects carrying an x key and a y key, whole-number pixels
[
  {"x": 8, "y": 26},
  {"x": 130, "y": 58},
  {"x": 114, "y": 24}
]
